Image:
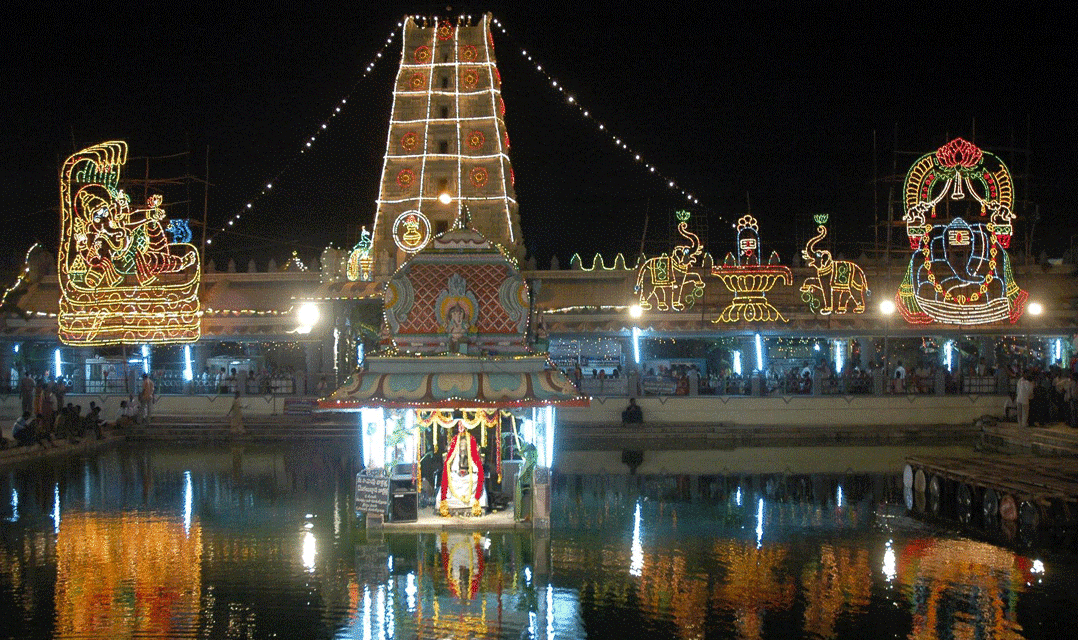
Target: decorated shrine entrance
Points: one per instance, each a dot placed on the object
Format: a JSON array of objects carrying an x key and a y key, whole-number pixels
[{"x": 457, "y": 408}]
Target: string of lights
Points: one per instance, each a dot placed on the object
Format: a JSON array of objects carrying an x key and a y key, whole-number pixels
[
  {"x": 619, "y": 142},
  {"x": 22, "y": 274},
  {"x": 307, "y": 144}
]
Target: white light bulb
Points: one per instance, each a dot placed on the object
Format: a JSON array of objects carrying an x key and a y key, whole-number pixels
[
  {"x": 671, "y": 183},
  {"x": 248, "y": 205},
  {"x": 269, "y": 185}
]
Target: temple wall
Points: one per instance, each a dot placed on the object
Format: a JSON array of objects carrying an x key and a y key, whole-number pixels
[{"x": 792, "y": 411}]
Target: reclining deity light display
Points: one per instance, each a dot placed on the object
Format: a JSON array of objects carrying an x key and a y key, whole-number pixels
[
  {"x": 958, "y": 218},
  {"x": 667, "y": 279},
  {"x": 839, "y": 286},
  {"x": 121, "y": 280},
  {"x": 748, "y": 279}
]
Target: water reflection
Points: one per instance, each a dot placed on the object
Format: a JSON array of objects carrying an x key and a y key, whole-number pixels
[{"x": 259, "y": 542}]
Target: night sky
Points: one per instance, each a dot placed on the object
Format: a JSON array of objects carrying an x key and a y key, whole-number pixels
[{"x": 772, "y": 107}]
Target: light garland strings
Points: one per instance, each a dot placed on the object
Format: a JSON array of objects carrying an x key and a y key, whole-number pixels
[
  {"x": 307, "y": 144},
  {"x": 619, "y": 142}
]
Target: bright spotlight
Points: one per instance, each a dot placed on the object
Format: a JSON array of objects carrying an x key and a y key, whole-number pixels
[
  {"x": 887, "y": 307},
  {"x": 307, "y": 314},
  {"x": 636, "y": 311},
  {"x": 1036, "y": 308},
  {"x": 445, "y": 198}
]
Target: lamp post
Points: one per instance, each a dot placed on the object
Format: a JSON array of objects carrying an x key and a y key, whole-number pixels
[{"x": 887, "y": 309}]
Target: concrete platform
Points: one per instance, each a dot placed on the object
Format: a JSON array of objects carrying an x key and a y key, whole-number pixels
[
  {"x": 429, "y": 520},
  {"x": 1055, "y": 439}
]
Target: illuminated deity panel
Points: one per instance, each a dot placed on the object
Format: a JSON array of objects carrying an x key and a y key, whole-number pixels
[
  {"x": 839, "y": 286},
  {"x": 666, "y": 281},
  {"x": 121, "y": 280},
  {"x": 411, "y": 231},
  {"x": 960, "y": 272},
  {"x": 750, "y": 280}
]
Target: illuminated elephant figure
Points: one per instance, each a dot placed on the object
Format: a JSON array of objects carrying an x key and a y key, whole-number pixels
[
  {"x": 836, "y": 284},
  {"x": 667, "y": 278}
]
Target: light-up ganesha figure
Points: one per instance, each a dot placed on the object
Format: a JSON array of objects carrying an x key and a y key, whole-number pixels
[
  {"x": 959, "y": 221},
  {"x": 748, "y": 279}
]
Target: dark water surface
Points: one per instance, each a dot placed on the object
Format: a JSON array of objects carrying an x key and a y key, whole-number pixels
[{"x": 259, "y": 542}]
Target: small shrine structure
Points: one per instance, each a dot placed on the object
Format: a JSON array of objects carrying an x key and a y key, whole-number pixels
[{"x": 457, "y": 399}]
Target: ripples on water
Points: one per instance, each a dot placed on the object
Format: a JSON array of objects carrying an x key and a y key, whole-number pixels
[{"x": 259, "y": 542}]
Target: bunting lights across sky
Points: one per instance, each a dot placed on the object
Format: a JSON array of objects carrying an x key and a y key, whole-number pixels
[
  {"x": 619, "y": 142},
  {"x": 307, "y": 143}
]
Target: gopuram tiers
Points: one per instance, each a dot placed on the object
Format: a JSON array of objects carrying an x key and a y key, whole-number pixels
[{"x": 447, "y": 147}]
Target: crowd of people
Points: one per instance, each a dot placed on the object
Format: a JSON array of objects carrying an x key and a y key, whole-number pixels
[
  {"x": 46, "y": 418},
  {"x": 1045, "y": 395}
]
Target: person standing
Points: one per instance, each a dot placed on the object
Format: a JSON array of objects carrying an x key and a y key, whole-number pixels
[
  {"x": 899, "y": 380},
  {"x": 632, "y": 413},
  {"x": 235, "y": 416},
  {"x": 145, "y": 397},
  {"x": 1023, "y": 394},
  {"x": 26, "y": 391}
]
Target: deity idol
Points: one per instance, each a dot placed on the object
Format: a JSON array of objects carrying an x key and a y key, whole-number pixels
[{"x": 462, "y": 485}]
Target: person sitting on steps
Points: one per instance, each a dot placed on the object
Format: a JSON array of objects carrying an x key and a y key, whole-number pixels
[{"x": 632, "y": 414}]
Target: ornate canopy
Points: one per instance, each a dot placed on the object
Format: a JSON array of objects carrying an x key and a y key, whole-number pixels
[{"x": 456, "y": 322}]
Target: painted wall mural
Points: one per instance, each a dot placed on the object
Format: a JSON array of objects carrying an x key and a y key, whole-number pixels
[
  {"x": 959, "y": 222},
  {"x": 665, "y": 281},
  {"x": 121, "y": 280},
  {"x": 749, "y": 280},
  {"x": 838, "y": 284}
]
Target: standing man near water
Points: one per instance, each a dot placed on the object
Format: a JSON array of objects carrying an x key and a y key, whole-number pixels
[{"x": 145, "y": 397}]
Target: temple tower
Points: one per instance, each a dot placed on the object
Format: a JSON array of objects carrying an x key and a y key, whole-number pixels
[{"x": 447, "y": 147}]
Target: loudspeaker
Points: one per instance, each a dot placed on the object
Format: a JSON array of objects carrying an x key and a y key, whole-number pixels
[{"x": 405, "y": 507}]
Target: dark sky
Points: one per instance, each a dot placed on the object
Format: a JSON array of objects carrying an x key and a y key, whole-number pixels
[{"x": 776, "y": 101}]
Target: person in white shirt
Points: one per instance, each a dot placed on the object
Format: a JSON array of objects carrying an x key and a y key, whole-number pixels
[
  {"x": 1023, "y": 394},
  {"x": 898, "y": 382}
]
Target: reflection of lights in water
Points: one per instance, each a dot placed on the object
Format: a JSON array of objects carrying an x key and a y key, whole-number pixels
[
  {"x": 308, "y": 525},
  {"x": 365, "y": 621},
  {"x": 56, "y": 507},
  {"x": 385, "y": 613},
  {"x": 889, "y": 563},
  {"x": 636, "y": 566},
  {"x": 485, "y": 542},
  {"x": 308, "y": 550},
  {"x": 410, "y": 590},
  {"x": 550, "y": 611},
  {"x": 760, "y": 524},
  {"x": 531, "y": 624},
  {"x": 1038, "y": 567},
  {"x": 838, "y": 497},
  {"x": 14, "y": 506},
  {"x": 737, "y": 496},
  {"x": 389, "y": 564},
  {"x": 336, "y": 512},
  {"x": 187, "y": 493},
  {"x": 528, "y": 576}
]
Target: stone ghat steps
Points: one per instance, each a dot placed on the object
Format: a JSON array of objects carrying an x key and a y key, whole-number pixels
[
  {"x": 255, "y": 428},
  {"x": 605, "y": 437}
]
